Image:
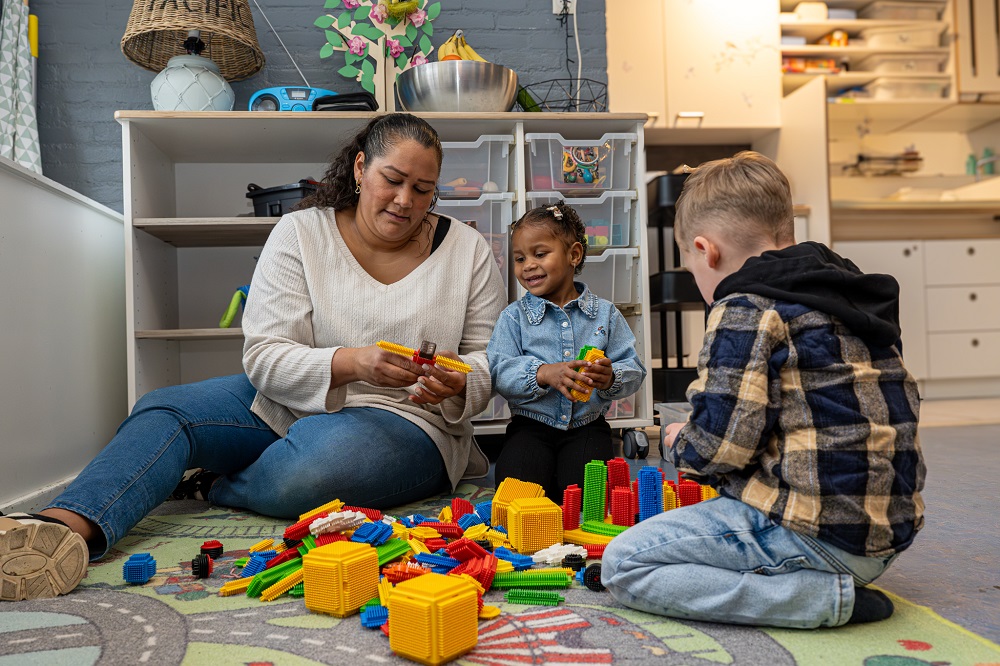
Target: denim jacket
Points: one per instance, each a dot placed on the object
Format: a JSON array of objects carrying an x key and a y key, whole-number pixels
[{"x": 533, "y": 331}]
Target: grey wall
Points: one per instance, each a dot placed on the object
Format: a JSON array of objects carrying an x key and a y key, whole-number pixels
[{"x": 84, "y": 78}]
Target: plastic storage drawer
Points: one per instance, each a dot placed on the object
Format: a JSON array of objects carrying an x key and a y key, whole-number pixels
[
  {"x": 886, "y": 10},
  {"x": 580, "y": 167},
  {"x": 491, "y": 215},
  {"x": 909, "y": 89},
  {"x": 612, "y": 274},
  {"x": 607, "y": 217},
  {"x": 621, "y": 409},
  {"x": 903, "y": 63},
  {"x": 470, "y": 168},
  {"x": 917, "y": 36},
  {"x": 497, "y": 410}
]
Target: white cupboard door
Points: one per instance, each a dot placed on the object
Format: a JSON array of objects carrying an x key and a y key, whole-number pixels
[
  {"x": 904, "y": 261},
  {"x": 636, "y": 59},
  {"x": 723, "y": 63}
]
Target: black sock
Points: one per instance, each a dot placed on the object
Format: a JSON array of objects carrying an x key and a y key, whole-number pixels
[{"x": 870, "y": 606}]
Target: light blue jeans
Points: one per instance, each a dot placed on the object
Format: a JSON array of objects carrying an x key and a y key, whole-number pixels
[
  {"x": 725, "y": 561},
  {"x": 363, "y": 456}
]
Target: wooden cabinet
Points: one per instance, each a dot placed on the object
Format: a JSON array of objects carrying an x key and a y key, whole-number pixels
[
  {"x": 709, "y": 65},
  {"x": 190, "y": 242}
]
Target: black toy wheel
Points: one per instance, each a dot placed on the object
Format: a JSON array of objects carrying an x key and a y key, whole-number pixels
[
  {"x": 635, "y": 444},
  {"x": 201, "y": 565},
  {"x": 592, "y": 578}
]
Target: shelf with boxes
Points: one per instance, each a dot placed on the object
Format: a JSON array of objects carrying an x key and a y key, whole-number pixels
[
  {"x": 190, "y": 241},
  {"x": 881, "y": 51}
]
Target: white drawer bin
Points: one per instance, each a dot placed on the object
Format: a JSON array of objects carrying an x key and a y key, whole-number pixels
[
  {"x": 583, "y": 168},
  {"x": 888, "y": 10},
  {"x": 612, "y": 274},
  {"x": 607, "y": 217},
  {"x": 903, "y": 63},
  {"x": 907, "y": 36},
  {"x": 964, "y": 355},
  {"x": 887, "y": 88},
  {"x": 622, "y": 409},
  {"x": 954, "y": 262},
  {"x": 491, "y": 215},
  {"x": 470, "y": 168},
  {"x": 972, "y": 308},
  {"x": 497, "y": 410}
]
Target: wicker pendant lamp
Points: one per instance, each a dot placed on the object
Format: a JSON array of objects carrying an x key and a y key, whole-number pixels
[{"x": 196, "y": 46}]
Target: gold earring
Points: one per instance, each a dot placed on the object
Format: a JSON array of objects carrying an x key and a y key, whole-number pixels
[{"x": 357, "y": 190}]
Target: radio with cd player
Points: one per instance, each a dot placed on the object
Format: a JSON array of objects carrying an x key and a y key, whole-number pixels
[{"x": 287, "y": 98}]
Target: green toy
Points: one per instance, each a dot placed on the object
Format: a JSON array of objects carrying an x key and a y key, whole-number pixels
[{"x": 237, "y": 301}]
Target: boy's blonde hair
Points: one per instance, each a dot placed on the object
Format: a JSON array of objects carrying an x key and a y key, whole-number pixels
[{"x": 746, "y": 197}]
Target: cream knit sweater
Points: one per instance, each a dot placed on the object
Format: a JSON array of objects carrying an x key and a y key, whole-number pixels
[{"x": 309, "y": 297}]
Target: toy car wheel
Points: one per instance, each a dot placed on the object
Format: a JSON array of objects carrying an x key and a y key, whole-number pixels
[
  {"x": 592, "y": 578},
  {"x": 635, "y": 444}
]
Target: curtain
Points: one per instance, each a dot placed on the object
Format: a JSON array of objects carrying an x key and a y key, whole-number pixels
[{"x": 18, "y": 125}]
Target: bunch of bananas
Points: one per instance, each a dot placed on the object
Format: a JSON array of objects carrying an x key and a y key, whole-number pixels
[{"x": 456, "y": 48}]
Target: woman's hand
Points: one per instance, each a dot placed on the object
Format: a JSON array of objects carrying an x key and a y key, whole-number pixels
[
  {"x": 438, "y": 384},
  {"x": 374, "y": 366},
  {"x": 561, "y": 376},
  {"x": 598, "y": 374}
]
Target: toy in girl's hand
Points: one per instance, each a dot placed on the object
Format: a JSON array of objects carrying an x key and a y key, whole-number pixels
[
  {"x": 587, "y": 353},
  {"x": 237, "y": 301},
  {"x": 580, "y": 165},
  {"x": 425, "y": 355}
]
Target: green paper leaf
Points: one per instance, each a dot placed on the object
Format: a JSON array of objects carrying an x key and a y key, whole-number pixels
[
  {"x": 401, "y": 61},
  {"x": 344, "y": 20},
  {"x": 324, "y": 21},
  {"x": 371, "y": 32},
  {"x": 334, "y": 39},
  {"x": 367, "y": 68},
  {"x": 348, "y": 71},
  {"x": 331, "y": 4},
  {"x": 361, "y": 13},
  {"x": 404, "y": 42},
  {"x": 326, "y": 51},
  {"x": 411, "y": 32},
  {"x": 368, "y": 84},
  {"x": 350, "y": 58},
  {"x": 428, "y": 28},
  {"x": 425, "y": 44},
  {"x": 433, "y": 11}
]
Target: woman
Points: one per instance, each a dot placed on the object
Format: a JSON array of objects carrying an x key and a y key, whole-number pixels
[{"x": 321, "y": 412}]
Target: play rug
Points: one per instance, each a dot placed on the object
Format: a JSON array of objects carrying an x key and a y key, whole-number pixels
[{"x": 179, "y": 619}]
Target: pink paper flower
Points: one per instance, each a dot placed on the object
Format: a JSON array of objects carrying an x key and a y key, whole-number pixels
[
  {"x": 418, "y": 59},
  {"x": 378, "y": 13},
  {"x": 395, "y": 48},
  {"x": 352, "y": 4},
  {"x": 417, "y": 18},
  {"x": 356, "y": 45}
]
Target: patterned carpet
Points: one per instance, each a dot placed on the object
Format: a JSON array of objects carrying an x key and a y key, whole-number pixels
[{"x": 179, "y": 619}]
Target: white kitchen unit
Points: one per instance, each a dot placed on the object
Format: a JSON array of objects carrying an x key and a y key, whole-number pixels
[
  {"x": 188, "y": 247},
  {"x": 712, "y": 64}
]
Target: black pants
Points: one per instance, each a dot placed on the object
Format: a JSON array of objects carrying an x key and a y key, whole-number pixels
[{"x": 550, "y": 457}]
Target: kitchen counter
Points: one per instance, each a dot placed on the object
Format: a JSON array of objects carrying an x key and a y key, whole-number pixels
[{"x": 881, "y": 219}]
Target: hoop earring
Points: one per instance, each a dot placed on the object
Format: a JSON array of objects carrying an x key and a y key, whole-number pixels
[{"x": 357, "y": 190}]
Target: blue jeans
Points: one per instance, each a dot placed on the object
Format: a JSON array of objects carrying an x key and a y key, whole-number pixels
[
  {"x": 363, "y": 456},
  {"x": 725, "y": 561}
]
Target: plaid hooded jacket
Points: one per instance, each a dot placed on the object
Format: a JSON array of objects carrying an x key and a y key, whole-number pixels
[{"x": 803, "y": 408}]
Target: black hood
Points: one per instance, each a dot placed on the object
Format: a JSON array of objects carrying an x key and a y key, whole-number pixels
[{"x": 813, "y": 275}]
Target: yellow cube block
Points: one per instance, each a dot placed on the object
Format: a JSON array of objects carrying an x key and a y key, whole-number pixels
[
  {"x": 509, "y": 490},
  {"x": 433, "y": 618},
  {"x": 533, "y": 524},
  {"x": 340, "y": 577}
]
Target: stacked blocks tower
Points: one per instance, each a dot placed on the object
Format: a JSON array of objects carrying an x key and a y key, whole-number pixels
[
  {"x": 669, "y": 496},
  {"x": 618, "y": 475},
  {"x": 509, "y": 490},
  {"x": 340, "y": 577},
  {"x": 650, "y": 493},
  {"x": 587, "y": 353},
  {"x": 533, "y": 524},
  {"x": 688, "y": 492},
  {"x": 433, "y": 618},
  {"x": 621, "y": 506},
  {"x": 595, "y": 476},
  {"x": 572, "y": 499}
]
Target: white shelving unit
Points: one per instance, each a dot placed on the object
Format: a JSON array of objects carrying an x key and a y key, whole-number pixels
[{"x": 190, "y": 242}]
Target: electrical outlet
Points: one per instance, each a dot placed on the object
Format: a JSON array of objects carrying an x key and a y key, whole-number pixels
[{"x": 557, "y": 6}]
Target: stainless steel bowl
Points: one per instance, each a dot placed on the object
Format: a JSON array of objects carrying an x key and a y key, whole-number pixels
[{"x": 457, "y": 85}]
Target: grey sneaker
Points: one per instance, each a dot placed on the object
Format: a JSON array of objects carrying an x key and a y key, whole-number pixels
[{"x": 39, "y": 557}]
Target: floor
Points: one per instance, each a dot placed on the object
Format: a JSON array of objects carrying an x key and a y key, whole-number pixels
[{"x": 953, "y": 566}]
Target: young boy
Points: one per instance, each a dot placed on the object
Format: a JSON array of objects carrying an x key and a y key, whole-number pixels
[{"x": 804, "y": 419}]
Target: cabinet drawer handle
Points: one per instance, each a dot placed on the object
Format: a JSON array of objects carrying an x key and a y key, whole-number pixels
[
  {"x": 970, "y": 251},
  {"x": 975, "y": 342},
  {"x": 688, "y": 116},
  {"x": 906, "y": 252},
  {"x": 972, "y": 296}
]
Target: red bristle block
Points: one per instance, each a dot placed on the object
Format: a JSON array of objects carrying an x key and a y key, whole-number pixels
[
  {"x": 688, "y": 492},
  {"x": 330, "y": 537},
  {"x": 621, "y": 507},
  {"x": 284, "y": 556},
  {"x": 594, "y": 550},
  {"x": 447, "y": 530},
  {"x": 572, "y": 500},
  {"x": 460, "y": 507},
  {"x": 301, "y": 529},
  {"x": 373, "y": 515},
  {"x": 465, "y": 549}
]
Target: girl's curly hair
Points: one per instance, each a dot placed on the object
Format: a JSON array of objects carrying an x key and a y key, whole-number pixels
[
  {"x": 563, "y": 221},
  {"x": 338, "y": 187}
]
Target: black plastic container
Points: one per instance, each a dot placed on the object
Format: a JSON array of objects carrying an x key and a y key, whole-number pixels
[{"x": 276, "y": 201}]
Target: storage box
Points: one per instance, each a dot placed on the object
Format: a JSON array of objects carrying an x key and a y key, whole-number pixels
[
  {"x": 903, "y": 63},
  {"x": 909, "y": 36},
  {"x": 612, "y": 274},
  {"x": 497, "y": 410},
  {"x": 887, "y": 88},
  {"x": 470, "y": 168},
  {"x": 582, "y": 167},
  {"x": 607, "y": 217},
  {"x": 276, "y": 201},
  {"x": 622, "y": 409},
  {"x": 889, "y": 10},
  {"x": 491, "y": 215}
]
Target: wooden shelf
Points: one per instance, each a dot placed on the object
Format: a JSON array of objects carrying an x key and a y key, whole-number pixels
[
  {"x": 843, "y": 80},
  {"x": 813, "y": 30},
  {"x": 882, "y": 117},
  {"x": 855, "y": 53},
  {"x": 208, "y": 231},
  {"x": 184, "y": 334}
]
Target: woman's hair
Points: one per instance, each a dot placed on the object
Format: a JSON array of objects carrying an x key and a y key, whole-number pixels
[
  {"x": 563, "y": 221},
  {"x": 337, "y": 190},
  {"x": 745, "y": 196}
]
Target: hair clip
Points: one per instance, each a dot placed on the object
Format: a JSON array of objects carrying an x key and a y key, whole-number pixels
[{"x": 556, "y": 213}]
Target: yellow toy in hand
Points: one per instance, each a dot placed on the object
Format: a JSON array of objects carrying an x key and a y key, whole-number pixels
[
  {"x": 425, "y": 355},
  {"x": 587, "y": 353}
]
